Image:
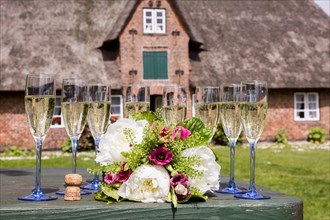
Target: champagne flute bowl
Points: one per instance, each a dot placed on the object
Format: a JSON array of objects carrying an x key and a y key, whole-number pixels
[
  {"x": 137, "y": 99},
  {"x": 253, "y": 111},
  {"x": 39, "y": 106},
  {"x": 174, "y": 104}
]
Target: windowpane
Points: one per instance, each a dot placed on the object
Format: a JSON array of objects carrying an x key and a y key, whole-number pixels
[
  {"x": 115, "y": 110},
  {"x": 299, "y": 97},
  {"x": 152, "y": 18},
  {"x": 312, "y": 114},
  {"x": 148, "y": 20},
  {"x": 312, "y": 105},
  {"x": 148, "y": 13},
  {"x": 300, "y": 114},
  {"x": 311, "y": 97},
  {"x": 159, "y": 21},
  {"x": 159, "y": 28},
  {"x": 159, "y": 14},
  {"x": 57, "y": 111},
  {"x": 300, "y": 106},
  {"x": 115, "y": 101}
]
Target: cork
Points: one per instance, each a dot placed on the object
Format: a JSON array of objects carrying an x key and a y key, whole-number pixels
[{"x": 72, "y": 190}]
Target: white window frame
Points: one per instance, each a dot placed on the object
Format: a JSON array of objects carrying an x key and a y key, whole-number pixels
[
  {"x": 306, "y": 109},
  {"x": 121, "y": 114},
  {"x": 60, "y": 116},
  {"x": 153, "y": 28}
]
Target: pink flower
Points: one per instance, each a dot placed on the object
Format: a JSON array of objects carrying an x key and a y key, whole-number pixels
[
  {"x": 179, "y": 178},
  {"x": 165, "y": 131},
  {"x": 123, "y": 175},
  {"x": 184, "y": 133},
  {"x": 161, "y": 156},
  {"x": 111, "y": 178}
]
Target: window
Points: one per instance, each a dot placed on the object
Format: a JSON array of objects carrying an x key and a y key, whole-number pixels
[
  {"x": 57, "y": 117},
  {"x": 155, "y": 65},
  {"x": 306, "y": 106},
  {"x": 154, "y": 21},
  {"x": 116, "y": 107}
]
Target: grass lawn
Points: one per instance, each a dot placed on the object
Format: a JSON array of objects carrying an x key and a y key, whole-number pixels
[{"x": 303, "y": 174}]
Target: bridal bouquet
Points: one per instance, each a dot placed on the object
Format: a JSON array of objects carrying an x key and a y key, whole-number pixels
[{"x": 143, "y": 159}]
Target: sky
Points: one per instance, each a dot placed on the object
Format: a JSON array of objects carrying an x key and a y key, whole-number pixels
[{"x": 324, "y": 4}]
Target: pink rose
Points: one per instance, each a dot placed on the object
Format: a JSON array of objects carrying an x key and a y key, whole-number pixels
[
  {"x": 123, "y": 175},
  {"x": 111, "y": 178}
]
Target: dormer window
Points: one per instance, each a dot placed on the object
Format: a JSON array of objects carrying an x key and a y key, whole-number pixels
[{"x": 154, "y": 21}]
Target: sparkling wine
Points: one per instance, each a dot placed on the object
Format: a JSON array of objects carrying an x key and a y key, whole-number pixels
[
  {"x": 75, "y": 117},
  {"x": 98, "y": 117},
  {"x": 230, "y": 115},
  {"x": 135, "y": 107},
  {"x": 253, "y": 118},
  {"x": 208, "y": 113},
  {"x": 39, "y": 111},
  {"x": 174, "y": 114}
]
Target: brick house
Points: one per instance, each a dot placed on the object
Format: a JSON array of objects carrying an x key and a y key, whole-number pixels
[{"x": 164, "y": 42}]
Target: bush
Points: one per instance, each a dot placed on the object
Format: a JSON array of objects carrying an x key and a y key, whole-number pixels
[
  {"x": 317, "y": 135},
  {"x": 281, "y": 137},
  {"x": 86, "y": 142},
  {"x": 220, "y": 137},
  {"x": 15, "y": 151}
]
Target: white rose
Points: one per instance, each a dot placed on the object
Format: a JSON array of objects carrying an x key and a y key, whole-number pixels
[
  {"x": 114, "y": 141},
  {"x": 181, "y": 190},
  {"x": 210, "y": 168},
  {"x": 146, "y": 184}
]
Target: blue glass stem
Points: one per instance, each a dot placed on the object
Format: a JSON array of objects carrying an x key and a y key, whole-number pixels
[
  {"x": 231, "y": 183},
  {"x": 96, "y": 179},
  {"x": 252, "y": 187},
  {"x": 37, "y": 188},
  {"x": 74, "y": 144}
]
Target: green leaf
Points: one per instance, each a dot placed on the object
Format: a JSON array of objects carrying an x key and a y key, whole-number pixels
[
  {"x": 193, "y": 124},
  {"x": 110, "y": 191},
  {"x": 199, "y": 198}
]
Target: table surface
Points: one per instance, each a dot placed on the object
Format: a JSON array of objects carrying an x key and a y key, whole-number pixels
[{"x": 19, "y": 182}]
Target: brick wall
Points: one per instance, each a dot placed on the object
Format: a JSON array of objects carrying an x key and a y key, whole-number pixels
[
  {"x": 14, "y": 130},
  {"x": 132, "y": 47},
  {"x": 281, "y": 114}
]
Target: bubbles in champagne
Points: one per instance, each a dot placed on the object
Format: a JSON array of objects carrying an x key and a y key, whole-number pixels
[
  {"x": 98, "y": 117},
  {"x": 39, "y": 111},
  {"x": 253, "y": 118},
  {"x": 230, "y": 115},
  {"x": 174, "y": 114},
  {"x": 135, "y": 107},
  {"x": 208, "y": 113},
  {"x": 75, "y": 117}
]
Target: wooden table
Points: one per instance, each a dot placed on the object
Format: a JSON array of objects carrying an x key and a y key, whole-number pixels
[{"x": 19, "y": 182}]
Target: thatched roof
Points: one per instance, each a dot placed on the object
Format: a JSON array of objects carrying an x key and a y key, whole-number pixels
[
  {"x": 56, "y": 36},
  {"x": 283, "y": 42}
]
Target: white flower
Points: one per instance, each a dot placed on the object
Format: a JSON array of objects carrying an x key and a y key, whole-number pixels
[
  {"x": 146, "y": 184},
  {"x": 114, "y": 141},
  {"x": 181, "y": 190},
  {"x": 210, "y": 168}
]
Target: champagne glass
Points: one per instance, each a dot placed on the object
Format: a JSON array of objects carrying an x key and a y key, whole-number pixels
[
  {"x": 206, "y": 106},
  {"x": 253, "y": 111},
  {"x": 137, "y": 99},
  {"x": 39, "y": 106},
  {"x": 230, "y": 115},
  {"x": 174, "y": 104},
  {"x": 98, "y": 120},
  {"x": 74, "y": 109}
]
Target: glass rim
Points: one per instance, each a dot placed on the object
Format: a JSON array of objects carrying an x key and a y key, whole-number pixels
[
  {"x": 98, "y": 84},
  {"x": 46, "y": 75},
  {"x": 254, "y": 82},
  {"x": 230, "y": 84}
]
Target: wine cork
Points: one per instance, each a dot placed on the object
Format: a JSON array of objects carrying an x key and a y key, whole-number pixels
[{"x": 72, "y": 190}]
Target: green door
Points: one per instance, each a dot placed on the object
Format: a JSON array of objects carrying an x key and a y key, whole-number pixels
[{"x": 155, "y": 65}]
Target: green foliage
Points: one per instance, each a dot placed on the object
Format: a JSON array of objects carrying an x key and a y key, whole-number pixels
[
  {"x": 86, "y": 142},
  {"x": 317, "y": 135},
  {"x": 221, "y": 139},
  {"x": 281, "y": 137},
  {"x": 15, "y": 151}
]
